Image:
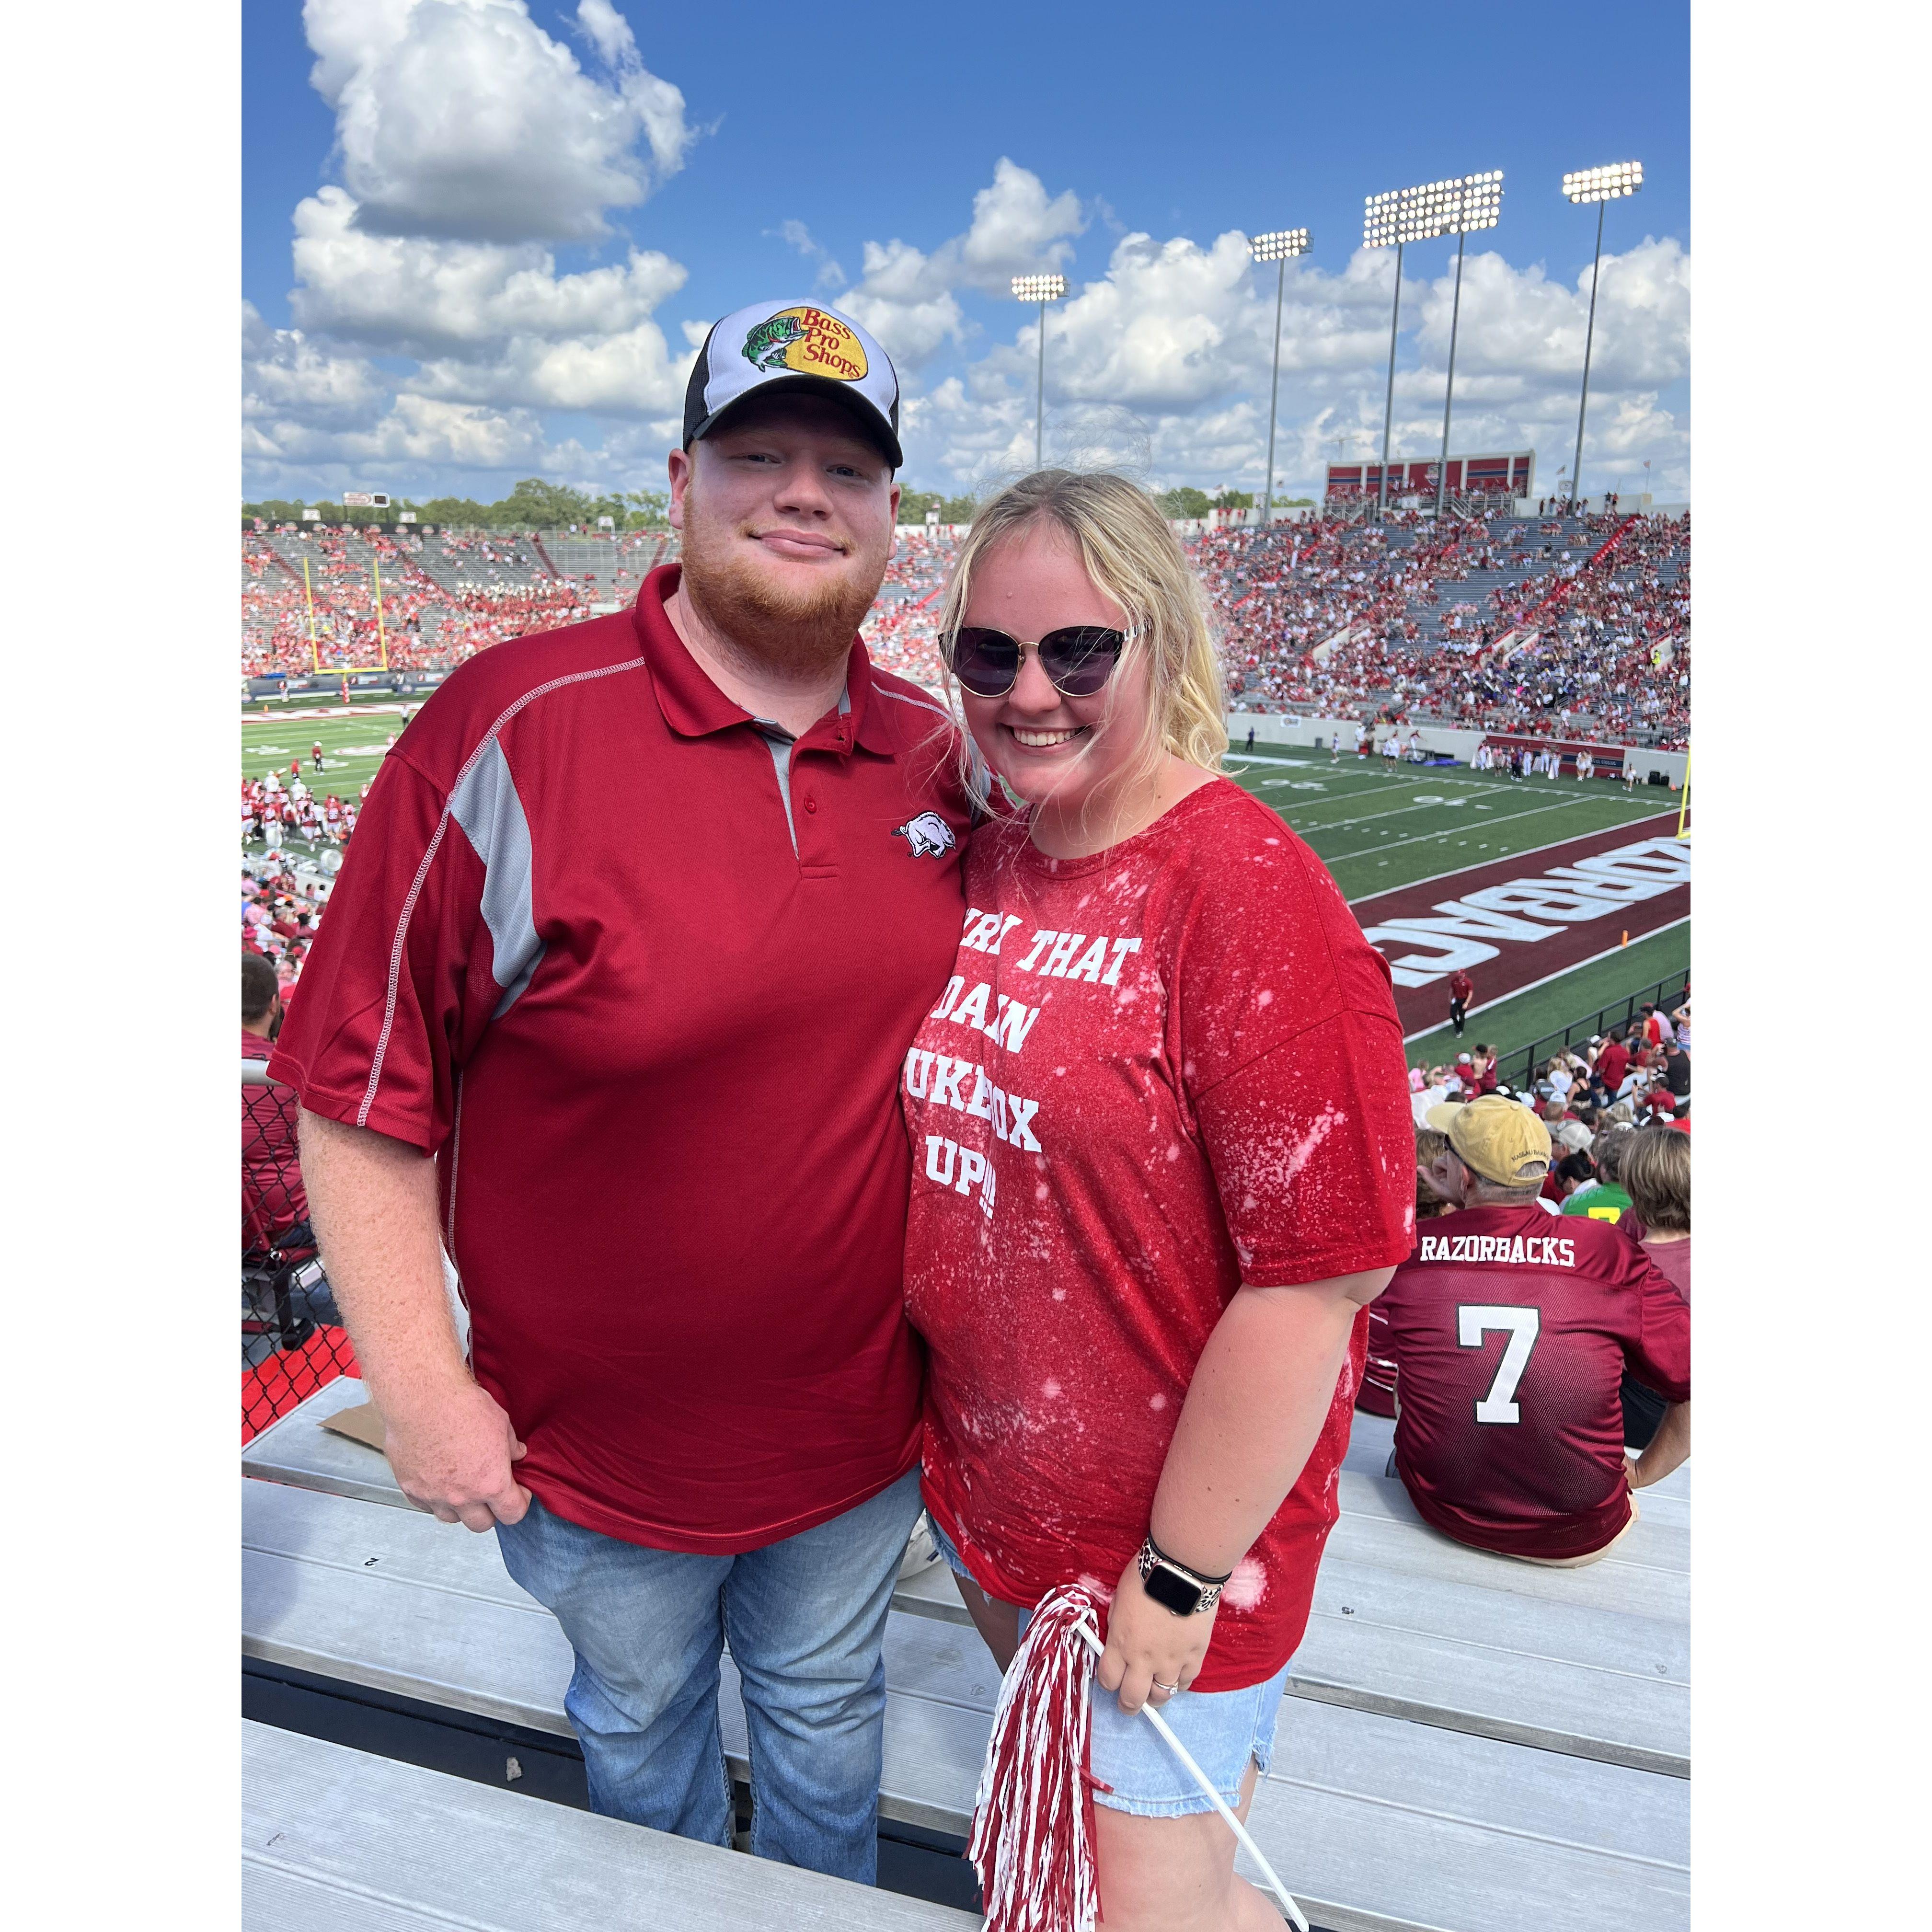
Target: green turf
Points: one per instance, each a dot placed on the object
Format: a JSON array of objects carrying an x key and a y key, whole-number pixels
[
  {"x": 1376, "y": 829},
  {"x": 352, "y": 746},
  {"x": 1373, "y": 827},
  {"x": 1511, "y": 1025}
]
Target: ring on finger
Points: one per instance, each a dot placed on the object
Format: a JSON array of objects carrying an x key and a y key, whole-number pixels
[{"x": 1172, "y": 1690}]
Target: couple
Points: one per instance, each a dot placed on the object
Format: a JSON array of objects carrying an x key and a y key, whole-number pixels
[{"x": 819, "y": 1138}]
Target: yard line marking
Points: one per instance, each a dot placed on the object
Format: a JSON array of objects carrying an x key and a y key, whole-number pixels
[{"x": 1332, "y": 860}]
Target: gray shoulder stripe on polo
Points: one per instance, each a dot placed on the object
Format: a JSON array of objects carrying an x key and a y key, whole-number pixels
[
  {"x": 399, "y": 942},
  {"x": 485, "y": 805}
]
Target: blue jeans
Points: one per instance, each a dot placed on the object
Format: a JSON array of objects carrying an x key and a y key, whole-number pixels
[{"x": 805, "y": 1619}]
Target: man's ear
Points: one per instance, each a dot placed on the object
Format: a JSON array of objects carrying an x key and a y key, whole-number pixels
[{"x": 679, "y": 464}]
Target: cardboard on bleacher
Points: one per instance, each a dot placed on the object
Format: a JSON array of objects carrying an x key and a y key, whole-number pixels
[{"x": 360, "y": 1424}]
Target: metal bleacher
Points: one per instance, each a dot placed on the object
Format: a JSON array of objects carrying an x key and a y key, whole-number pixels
[{"x": 1471, "y": 1744}]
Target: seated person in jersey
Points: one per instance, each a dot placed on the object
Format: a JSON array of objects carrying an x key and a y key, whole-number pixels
[
  {"x": 1513, "y": 1331},
  {"x": 1376, "y": 1396},
  {"x": 1607, "y": 1201},
  {"x": 1657, "y": 1171}
]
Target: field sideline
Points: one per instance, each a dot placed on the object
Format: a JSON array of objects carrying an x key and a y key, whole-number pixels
[{"x": 1374, "y": 828}]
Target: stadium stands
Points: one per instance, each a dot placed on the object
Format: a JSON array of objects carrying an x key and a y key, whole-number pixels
[
  {"x": 1570, "y": 626},
  {"x": 1565, "y": 625}
]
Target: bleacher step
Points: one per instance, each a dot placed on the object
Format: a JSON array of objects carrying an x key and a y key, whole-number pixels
[
  {"x": 1385, "y": 1822},
  {"x": 335, "y": 1839}
]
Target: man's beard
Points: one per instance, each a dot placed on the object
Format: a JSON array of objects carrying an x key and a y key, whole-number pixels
[{"x": 808, "y": 630}]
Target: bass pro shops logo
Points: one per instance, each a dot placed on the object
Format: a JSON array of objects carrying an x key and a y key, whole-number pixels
[
  {"x": 808, "y": 342},
  {"x": 929, "y": 835}
]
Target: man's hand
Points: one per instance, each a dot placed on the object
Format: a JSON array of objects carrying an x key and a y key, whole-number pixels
[
  {"x": 451, "y": 1453},
  {"x": 1148, "y": 1647}
]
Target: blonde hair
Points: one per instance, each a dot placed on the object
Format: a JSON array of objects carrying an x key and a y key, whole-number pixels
[
  {"x": 1131, "y": 555},
  {"x": 1656, "y": 1175}
]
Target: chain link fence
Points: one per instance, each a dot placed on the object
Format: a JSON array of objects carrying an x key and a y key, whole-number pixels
[{"x": 292, "y": 1339}]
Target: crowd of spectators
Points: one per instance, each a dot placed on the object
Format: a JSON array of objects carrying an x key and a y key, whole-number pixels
[
  {"x": 1585, "y": 633},
  {"x": 281, "y": 917},
  {"x": 443, "y": 599}
]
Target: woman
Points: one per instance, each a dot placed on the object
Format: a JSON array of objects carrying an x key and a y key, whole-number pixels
[{"x": 1162, "y": 1159}]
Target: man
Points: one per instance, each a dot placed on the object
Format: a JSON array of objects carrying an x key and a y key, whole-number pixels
[
  {"x": 1613, "y": 1062},
  {"x": 1334, "y": 746},
  {"x": 1604, "y": 1199},
  {"x": 1251, "y": 740},
  {"x": 1461, "y": 990},
  {"x": 315, "y": 753},
  {"x": 274, "y": 1207},
  {"x": 635, "y": 903},
  {"x": 1513, "y": 1332}
]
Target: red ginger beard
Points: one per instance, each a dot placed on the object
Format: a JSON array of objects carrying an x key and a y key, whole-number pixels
[{"x": 807, "y": 630}]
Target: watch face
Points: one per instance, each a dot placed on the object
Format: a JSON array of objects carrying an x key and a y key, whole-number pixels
[{"x": 1172, "y": 1592}]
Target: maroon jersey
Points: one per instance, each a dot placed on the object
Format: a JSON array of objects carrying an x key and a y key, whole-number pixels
[{"x": 1513, "y": 1328}]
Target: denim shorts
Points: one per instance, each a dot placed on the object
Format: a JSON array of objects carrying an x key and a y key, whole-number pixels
[{"x": 1222, "y": 1729}]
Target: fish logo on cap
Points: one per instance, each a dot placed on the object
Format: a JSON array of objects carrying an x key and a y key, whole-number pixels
[{"x": 807, "y": 341}]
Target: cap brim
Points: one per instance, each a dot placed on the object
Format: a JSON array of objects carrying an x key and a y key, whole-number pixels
[
  {"x": 1440, "y": 1115},
  {"x": 877, "y": 430}
]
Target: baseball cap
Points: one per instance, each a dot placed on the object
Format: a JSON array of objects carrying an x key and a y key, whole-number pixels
[
  {"x": 778, "y": 346},
  {"x": 1501, "y": 1140}
]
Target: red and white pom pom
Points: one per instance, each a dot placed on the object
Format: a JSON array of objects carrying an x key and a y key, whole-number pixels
[{"x": 1033, "y": 1817}]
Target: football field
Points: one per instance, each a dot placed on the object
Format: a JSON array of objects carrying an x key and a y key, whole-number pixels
[{"x": 1399, "y": 841}]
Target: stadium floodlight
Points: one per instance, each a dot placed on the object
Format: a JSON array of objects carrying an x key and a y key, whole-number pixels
[
  {"x": 1041, "y": 288},
  {"x": 1278, "y": 246},
  {"x": 1602, "y": 186},
  {"x": 1458, "y": 206}
]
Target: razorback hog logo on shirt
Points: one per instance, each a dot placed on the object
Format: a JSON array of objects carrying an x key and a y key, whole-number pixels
[
  {"x": 808, "y": 340},
  {"x": 928, "y": 834}
]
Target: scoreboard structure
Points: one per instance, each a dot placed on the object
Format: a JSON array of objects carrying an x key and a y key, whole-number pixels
[{"x": 1513, "y": 474}]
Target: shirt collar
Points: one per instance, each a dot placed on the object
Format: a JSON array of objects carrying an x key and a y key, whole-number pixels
[{"x": 695, "y": 707}]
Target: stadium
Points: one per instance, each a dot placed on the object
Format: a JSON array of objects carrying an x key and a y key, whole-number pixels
[{"x": 1468, "y": 697}]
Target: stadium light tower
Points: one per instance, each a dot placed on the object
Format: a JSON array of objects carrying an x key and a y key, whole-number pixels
[
  {"x": 1277, "y": 247},
  {"x": 1041, "y": 288},
  {"x": 1602, "y": 186},
  {"x": 1456, "y": 207}
]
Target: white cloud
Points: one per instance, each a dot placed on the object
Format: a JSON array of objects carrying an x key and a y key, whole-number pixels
[
  {"x": 796, "y": 234},
  {"x": 1178, "y": 336},
  {"x": 462, "y": 119},
  {"x": 906, "y": 296}
]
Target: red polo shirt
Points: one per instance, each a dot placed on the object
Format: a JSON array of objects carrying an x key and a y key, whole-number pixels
[{"x": 643, "y": 979}]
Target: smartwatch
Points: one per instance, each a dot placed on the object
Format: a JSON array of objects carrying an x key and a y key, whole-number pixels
[{"x": 1178, "y": 1590}]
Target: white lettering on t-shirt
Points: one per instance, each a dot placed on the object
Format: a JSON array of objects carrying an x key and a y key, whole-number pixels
[
  {"x": 982, "y": 1102},
  {"x": 971, "y": 1011},
  {"x": 1023, "y": 1110},
  {"x": 1122, "y": 947},
  {"x": 985, "y": 932},
  {"x": 946, "y": 1074},
  {"x": 1058, "y": 960},
  {"x": 1040, "y": 940},
  {"x": 946, "y": 998},
  {"x": 918, "y": 1071},
  {"x": 1091, "y": 961},
  {"x": 1013, "y": 1023},
  {"x": 934, "y": 1172}
]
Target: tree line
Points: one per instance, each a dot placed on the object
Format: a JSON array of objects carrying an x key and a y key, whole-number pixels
[{"x": 535, "y": 504}]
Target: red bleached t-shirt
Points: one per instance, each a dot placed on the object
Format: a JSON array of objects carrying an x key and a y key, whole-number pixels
[
  {"x": 650, "y": 1020},
  {"x": 1513, "y": 1328},
  {"x": 1156, "y": 1074}
]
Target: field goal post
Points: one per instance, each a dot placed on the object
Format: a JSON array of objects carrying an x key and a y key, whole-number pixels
[
  {"x": 345, "y": 672},
  {"x": 1684, "y": 803}
]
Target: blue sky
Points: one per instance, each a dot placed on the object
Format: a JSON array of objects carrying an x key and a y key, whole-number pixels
[{"x": 900, "y": 162}]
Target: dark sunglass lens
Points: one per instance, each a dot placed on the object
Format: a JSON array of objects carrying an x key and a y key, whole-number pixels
[
  {"x": 985, "y": 662},
  {"x": 1080, "y": 659}
]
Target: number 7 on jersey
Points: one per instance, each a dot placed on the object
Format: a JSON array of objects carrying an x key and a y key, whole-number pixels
[{"x": 1474, "y": 1320}]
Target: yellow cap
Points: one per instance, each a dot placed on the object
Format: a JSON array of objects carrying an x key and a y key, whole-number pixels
[{"x": 1502, "y": 1141}]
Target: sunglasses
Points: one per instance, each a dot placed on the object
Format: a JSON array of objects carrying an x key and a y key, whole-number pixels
[{"x": 1078, "y": 660}]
